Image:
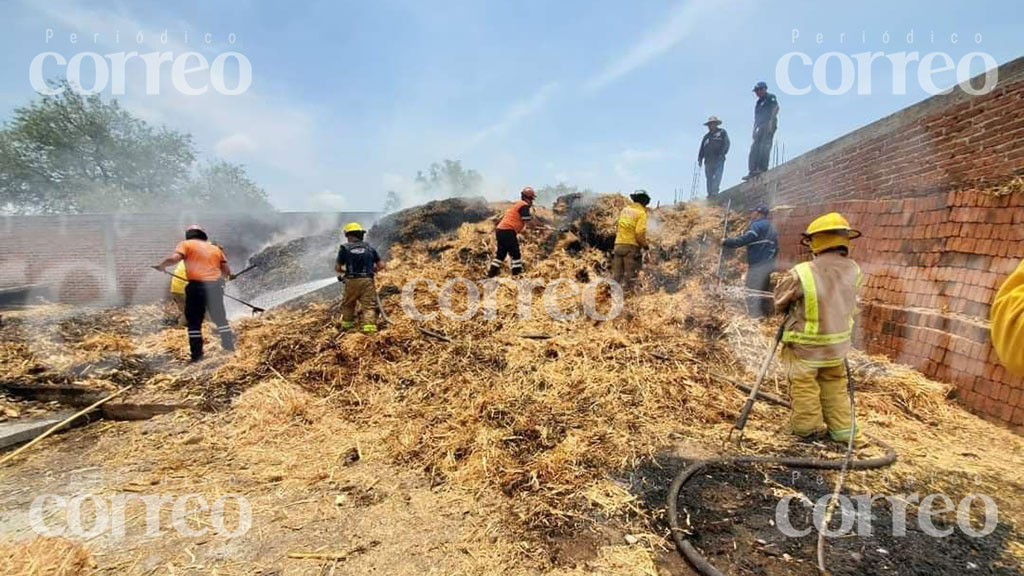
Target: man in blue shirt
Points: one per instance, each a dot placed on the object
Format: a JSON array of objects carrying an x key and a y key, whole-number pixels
[
  {"x": 762, "y": 242},
  {"x": 766, "y": 121}
]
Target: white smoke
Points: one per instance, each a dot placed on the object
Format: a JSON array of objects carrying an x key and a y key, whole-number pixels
[{"x": 411, "y": 193}]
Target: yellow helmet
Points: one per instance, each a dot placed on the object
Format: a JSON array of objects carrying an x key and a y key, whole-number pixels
[
  {"x": 831, "y": 222},
  {"x": 829, "y": 231},
  {"x": 353, "y": 228}
]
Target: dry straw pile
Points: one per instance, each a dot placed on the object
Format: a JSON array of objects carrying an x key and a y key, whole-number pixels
[
  {"x": 545, "y": 411},
  {"x": 545, "y": 419}
]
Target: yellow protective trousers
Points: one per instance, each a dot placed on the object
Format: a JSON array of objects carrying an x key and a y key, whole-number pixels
[
  {"x": 819, "y": 397},
  {"x": 361, "y": 294}
]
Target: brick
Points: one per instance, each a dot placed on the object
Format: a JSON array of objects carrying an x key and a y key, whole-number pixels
[{"x": 1017, "y": 418}]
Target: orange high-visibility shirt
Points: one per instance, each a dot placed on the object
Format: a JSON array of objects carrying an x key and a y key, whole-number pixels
[
  {"x": 516, "y": 217},
  {"x": 202, "y": 260}
]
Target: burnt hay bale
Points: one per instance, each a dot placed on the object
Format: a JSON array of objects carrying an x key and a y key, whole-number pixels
[{"x": 427, "y": 222}]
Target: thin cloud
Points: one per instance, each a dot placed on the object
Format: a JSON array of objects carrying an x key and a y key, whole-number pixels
[
  {"x": 657, "y": 41},
  {"x": 235, "y": 146},
  {"x": 515, "y": 114},
  {"x": 626, "y": 161}
]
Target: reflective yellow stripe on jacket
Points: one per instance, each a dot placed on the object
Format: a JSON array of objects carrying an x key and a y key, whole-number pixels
[{"x": 811, "y": 333}]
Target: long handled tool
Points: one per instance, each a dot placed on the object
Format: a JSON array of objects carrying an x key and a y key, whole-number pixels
[
  {"x": 62, "y": 424},
  {"x": 246, "y": 269},
  {"x": 725, "y": 234},
  {"x": 741, "y": 422},
  {"x": 255, "y": 308}
]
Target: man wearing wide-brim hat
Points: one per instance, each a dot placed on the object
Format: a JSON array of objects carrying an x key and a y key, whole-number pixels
[{"x": 713, "y": 149}]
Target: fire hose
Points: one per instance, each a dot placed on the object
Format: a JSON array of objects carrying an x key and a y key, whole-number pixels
[{"x": 680, "y": 536}]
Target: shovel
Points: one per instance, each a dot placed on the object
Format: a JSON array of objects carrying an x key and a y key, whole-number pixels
[
  {"x": 741, "y": 422},
  {"x": 233, "y": 276},
  {"x": 255, "y": 308}
]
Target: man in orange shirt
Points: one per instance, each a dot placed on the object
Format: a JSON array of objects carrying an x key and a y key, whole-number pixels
[
  {"x": 507, "y": 234},
  {"x": 206, "y": 268}
]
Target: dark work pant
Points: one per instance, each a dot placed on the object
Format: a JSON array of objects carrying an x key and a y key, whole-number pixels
[
  {"x": 508, "y": 245},
  {"x": 759, "y": 277},
  {"x": 200, "y": 298},
  {"x": 713, "y": 166},
  {"x": 760, "y": 151}
]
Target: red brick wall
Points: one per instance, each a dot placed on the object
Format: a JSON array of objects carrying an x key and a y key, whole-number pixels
[
  {"x": 937, "y": 191},
  {"x": 943, "y": 143},
  {"x": 103, "y": 259}
]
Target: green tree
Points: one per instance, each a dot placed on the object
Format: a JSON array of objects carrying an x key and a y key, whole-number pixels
[
  {"x": 70, "y": 153},
  {"x": 224, "y": 187},
  {"x": 450, "y": 179},
  {"x": 74, "y": 153},
  {"x": 391, "y": 202}
]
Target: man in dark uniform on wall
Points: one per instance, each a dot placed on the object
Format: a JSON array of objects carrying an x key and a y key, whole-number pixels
[
  {"x": 766, "y": 121},
  {"x": 713, "y": 149}
]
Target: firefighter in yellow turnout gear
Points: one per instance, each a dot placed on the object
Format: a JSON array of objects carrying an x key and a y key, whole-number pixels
[
  {"x": 357, "y": 264},
  {"x": 630, "y": 240},
  {"x": 1008, "y": 322},
  {"x": 178, "y": 284},
  {"x": 821, "y": 297}
]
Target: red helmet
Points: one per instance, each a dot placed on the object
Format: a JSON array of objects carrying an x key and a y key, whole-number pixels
[{"x": 528, "y": 194}]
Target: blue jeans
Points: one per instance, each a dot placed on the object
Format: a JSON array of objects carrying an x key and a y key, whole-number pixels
[
  {"x": 713, "y": 167},
  {"x": 761, "y": 150}
]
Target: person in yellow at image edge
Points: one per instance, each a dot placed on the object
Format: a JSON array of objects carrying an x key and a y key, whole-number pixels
[
  {"x": 630, "y": 239},
  {"x": 821, "y": 299},
  {"x": 178, "y": 291},
  {"x": 1007, "y": 318}
]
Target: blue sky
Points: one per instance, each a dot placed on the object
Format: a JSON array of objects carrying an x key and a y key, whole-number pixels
[{"x": 350, "y": 99}]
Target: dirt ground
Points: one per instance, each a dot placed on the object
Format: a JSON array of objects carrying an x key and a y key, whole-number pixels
[{"x": 733, "y": 513}]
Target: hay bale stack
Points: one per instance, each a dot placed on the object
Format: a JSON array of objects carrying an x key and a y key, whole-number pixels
[
  {"x": 295, "y": 262},
  {"x": 590, "y": 217},
  {"x": 428, "y": 222}
]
